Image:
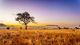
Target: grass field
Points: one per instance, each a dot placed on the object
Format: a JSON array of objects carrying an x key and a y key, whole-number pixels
[{"x": 40, "y": 37}]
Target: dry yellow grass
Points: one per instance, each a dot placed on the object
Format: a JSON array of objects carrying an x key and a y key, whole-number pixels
[{"x": 40, "y": 37}]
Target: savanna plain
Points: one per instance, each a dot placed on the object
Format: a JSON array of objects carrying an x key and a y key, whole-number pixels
[{"x": 40, "y": 37}]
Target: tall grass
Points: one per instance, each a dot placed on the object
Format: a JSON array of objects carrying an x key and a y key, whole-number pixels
[{"x": 26, "y": 37}]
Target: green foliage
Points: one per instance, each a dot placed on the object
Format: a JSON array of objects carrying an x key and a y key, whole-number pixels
[{"x": 24, "y": 18}]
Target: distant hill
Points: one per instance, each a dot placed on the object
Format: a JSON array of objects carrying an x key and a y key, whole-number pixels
[{"x": 2, "y": 26}]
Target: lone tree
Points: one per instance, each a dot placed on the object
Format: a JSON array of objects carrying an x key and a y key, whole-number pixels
[{"x": 25, "y": 18}]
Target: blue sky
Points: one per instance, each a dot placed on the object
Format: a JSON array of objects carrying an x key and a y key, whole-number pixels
[{"x": 63, "y": 12}]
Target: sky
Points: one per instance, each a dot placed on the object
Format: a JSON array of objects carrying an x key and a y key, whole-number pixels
[{"x": 54, "y": 12}]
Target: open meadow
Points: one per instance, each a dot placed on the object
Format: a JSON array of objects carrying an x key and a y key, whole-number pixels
[{"x": 40, "y": 37}]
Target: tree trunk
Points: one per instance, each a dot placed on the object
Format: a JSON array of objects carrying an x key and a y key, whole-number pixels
[{"x": 26, "y": 27}]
